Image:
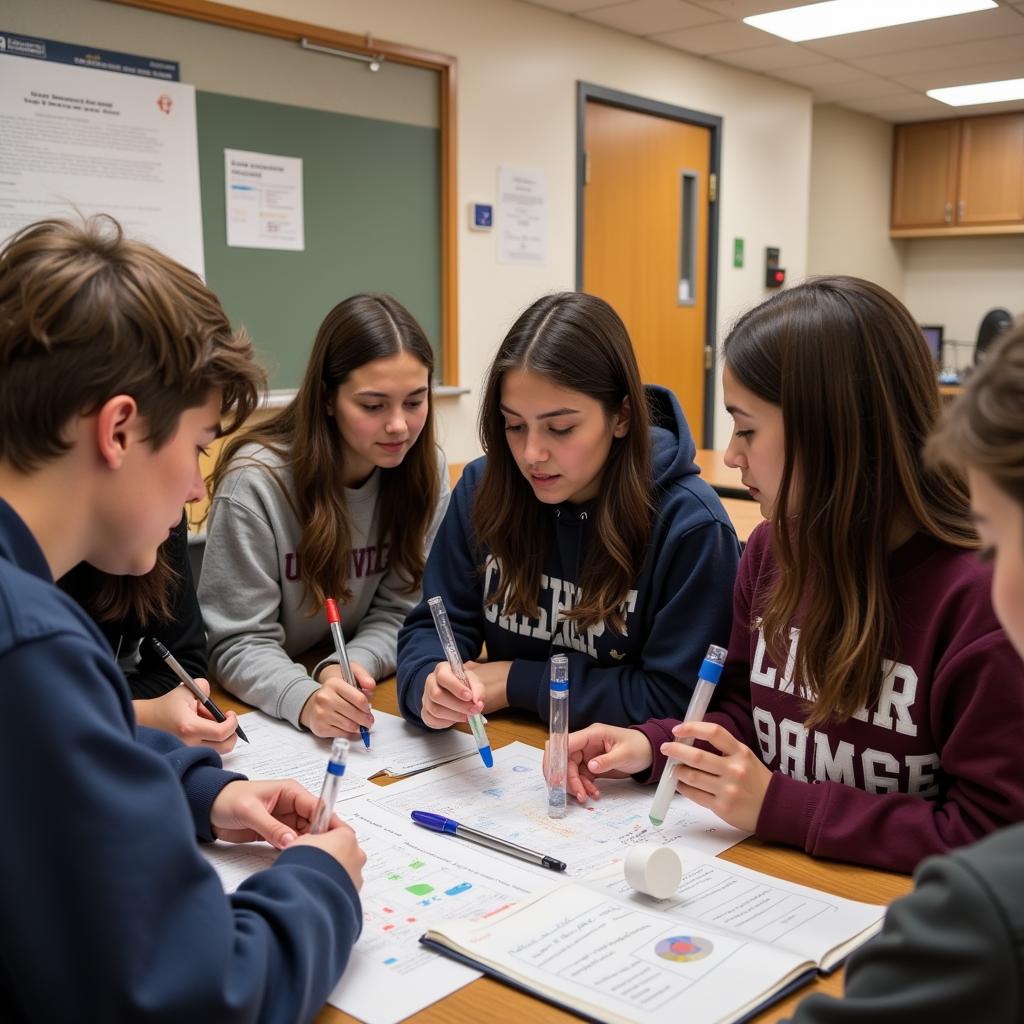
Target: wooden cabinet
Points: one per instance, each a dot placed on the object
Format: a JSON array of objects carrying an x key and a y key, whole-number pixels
[{"x": 959, "y": 177}]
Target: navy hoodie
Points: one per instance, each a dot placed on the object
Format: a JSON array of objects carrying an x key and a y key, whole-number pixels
[
  {"x": 110, "y": 912},
  {"x": 680, "y": 603}
]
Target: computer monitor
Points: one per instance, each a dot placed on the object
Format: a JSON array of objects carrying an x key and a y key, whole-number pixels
[{"x": 933, "y": 336}]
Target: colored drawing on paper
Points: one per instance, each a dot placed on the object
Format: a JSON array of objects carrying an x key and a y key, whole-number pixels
[
  {"x": 456, "y": 890},
  {"x": 684, "y": 949},
  {"x": 419, "y": 889}
]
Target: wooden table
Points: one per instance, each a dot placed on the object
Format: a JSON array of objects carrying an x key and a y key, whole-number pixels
[
  {"x": 488, "y": 1000},
  {"x": 744, "y": 515}
]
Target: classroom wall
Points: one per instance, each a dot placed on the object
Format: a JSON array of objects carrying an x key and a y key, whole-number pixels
[
  {"x": 517, "y": 74},
  {"x": 956, "y": 281},
  {"x": 851, "y": 182}
]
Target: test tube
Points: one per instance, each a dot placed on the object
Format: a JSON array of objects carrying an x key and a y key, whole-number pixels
[
  {"x": 451, "y": 652},
  {"x": 558, "y": 741},
  {"x": 332, "y": 783},
  {"x": 709, "y": 674}
]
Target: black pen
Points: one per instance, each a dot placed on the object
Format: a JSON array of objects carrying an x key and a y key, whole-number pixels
[{"x": 193, "y": 686}]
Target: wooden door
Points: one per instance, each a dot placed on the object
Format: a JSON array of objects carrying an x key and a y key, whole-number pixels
[
  {"x": 645, "y": 241},
  {"x": 924, "y": 187},
  {"x": 992, "y": 170}
]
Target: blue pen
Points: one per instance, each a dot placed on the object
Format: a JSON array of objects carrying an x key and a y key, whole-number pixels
[
  {"x": 334, "y": 618},
  {"x": 451, "y": 652},
  {"x": 439, "y": 823}
]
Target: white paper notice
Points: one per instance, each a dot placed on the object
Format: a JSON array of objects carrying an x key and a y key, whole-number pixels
[
  {"x": 510, "y": 801},
  {"x": 105, "y": 143},
  {"x": 264, "y": 200},
  {"x": 522, "y": 216}
]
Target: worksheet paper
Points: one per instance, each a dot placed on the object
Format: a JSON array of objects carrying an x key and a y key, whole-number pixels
[
  {"x": 510, "y": 801},
  {"x": 413, "y": 879},
  {"x": 278, "y": 750}
]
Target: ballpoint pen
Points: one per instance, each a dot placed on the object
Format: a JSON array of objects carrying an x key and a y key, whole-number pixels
[
  {"x": 558, "y": 739},
  {"x": 451, "y": 652},
  {"x": 708, "y": 675},
  {"x": 334, "y": 618},
  {"x": 439, "y": 823},
  {"x": 332, "y": 783},
  {"x": 191, "y": 685}
]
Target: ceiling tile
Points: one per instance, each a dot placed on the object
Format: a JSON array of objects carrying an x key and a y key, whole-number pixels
[
  {"x": 871, "y": 88},
  {"x": 960, "y": 55},
  {"x": 828, "y": 73},
  {"x": 745, "y": 8},
  {"x": 936, "y": 32},
  {"x": 770, "y": 58},
  {"x": 718, "y": 38},
  {"x": 913, "y": 108},
  {"x": 645, "y": 17},
  {"x": 570, "y": 6},
  {"x": 923, "y": 80}
]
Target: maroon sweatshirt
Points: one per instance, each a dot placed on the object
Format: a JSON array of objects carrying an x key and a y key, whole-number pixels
[{"x": 936, "y": 761}]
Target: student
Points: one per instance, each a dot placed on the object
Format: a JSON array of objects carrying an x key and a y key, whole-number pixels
[
  {"x": 952, "y": 949},
  {"x": 585, "y": 530},
  {"x": 162, "y": 604},
  {"x": 339, "y": 495},
  {"x": 864, "y": 712},
  {"x": 118, "y": 365}
]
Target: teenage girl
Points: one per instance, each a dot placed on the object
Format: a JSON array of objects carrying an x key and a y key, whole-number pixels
[
  {"x": 864, "y": 712},
  {"x": 585, "y": 530},
  {"x": 953, "y": 946},
  {"x": 161, "y": 603},
  {"x": 338, "y": 495}
]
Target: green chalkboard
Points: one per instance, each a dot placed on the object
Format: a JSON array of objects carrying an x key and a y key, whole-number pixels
[{"x": 372, "y": 222}]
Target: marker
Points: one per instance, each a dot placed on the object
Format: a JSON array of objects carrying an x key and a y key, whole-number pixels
[
  {"x": 334, "y": 618},
  {"x": 191, "y": 684},
  {"x": 709, "y": 674},
  {"x": 439, "y": 823},
  {"x": 332, "y": 783},
  {"x": 558, "y": 737},
  {"x": 451, "y": 652}
]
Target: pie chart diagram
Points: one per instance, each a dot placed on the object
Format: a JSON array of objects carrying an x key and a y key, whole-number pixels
[{"x": 683, "y": 949}]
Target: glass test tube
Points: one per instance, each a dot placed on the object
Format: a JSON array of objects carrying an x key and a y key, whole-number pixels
[
  {"x": 451, "y": 652},
  {"x": 709, "y": 674},
  {"x": 332, "y": 783},
  {"x": 558, "y": 741}
]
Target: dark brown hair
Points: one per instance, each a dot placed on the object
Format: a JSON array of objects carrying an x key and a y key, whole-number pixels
[
  {"x": 357, "y": 331},
  {"x": 850, "y": 369},
  {"x": 87, "y": 314},
  {"x": 578, "y": 342},
  {"x": 984, "y": 427}
]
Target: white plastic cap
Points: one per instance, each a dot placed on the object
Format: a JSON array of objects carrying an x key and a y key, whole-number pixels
[{"x": 654, "y": 870}]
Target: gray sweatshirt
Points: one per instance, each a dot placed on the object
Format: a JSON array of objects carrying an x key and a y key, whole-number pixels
[{"x": 251, "y": 589}]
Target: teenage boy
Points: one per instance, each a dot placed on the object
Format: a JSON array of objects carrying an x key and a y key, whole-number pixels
[{"x": 118, "y": 365}]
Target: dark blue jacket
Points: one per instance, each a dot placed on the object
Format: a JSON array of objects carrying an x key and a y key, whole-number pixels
[
  {"x": 109, "y": 911},
  {"x": 682, "y": 600}
]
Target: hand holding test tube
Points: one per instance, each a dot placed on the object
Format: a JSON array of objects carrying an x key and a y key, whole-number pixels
[
  {"x": 332, "y": 783},
  {"x": 709, "y": 674},
  {"x": 451, "y": 652}
]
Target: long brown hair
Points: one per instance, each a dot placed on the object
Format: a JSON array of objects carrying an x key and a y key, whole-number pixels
[
  {"x": 578, "y": 342},
  {"x": 984, "y": 427},
  {"x": 856, "y": 383},
  {"x": 357, "y": 331},
  {"x": 145, "y": 598}
]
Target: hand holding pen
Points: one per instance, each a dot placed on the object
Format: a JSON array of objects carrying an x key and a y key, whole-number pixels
[
  {"x": 191, "y": 685},
  {"x": 334, "y": 618}
]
